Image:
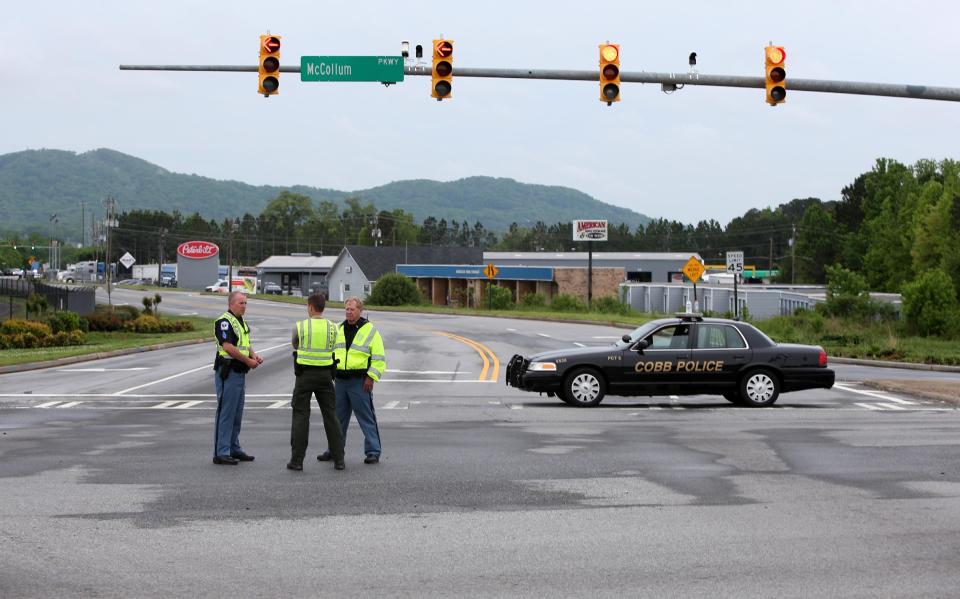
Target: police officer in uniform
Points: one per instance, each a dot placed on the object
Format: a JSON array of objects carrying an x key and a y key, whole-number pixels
[
  {"x": 235, "y": 357},
  {"x": 313, "y": 340},
  {"x": 361, "y": 362}
]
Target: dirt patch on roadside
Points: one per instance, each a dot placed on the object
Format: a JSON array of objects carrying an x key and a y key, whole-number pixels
[{"x": 947, "y": 391}]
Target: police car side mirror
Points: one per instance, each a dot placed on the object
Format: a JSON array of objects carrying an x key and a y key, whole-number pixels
[
  {"x": 642, "y": 345},
  {"x": 626, "y": 339}
]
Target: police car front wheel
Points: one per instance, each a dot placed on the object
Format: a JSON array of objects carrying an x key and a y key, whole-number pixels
[
  {"x": 584, "y": 388},
  {"x": 759, "y": 388}
]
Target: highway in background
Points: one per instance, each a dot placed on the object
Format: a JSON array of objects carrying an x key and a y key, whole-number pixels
[{"x": 106, "y": 485}]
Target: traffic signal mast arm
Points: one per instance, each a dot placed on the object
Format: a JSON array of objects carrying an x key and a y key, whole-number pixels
[{"x": 891, "y": 90}]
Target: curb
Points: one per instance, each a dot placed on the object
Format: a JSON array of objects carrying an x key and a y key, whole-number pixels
[
  {"x": 901, "y": 365},
  {"x": 89, "y": 357}
]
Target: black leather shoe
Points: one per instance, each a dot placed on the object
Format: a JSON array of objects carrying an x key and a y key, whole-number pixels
[
  {"x": 242, "y": 457},
  {"x": 324, "y": 457},
  {"x": 294, "y": 466},
  {"x": 339, "y": 465},
  {"x": 224, "y": 459},
  {"x": 371, "y": 459}
]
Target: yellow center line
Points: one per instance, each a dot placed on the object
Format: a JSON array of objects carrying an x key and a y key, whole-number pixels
[{"x": 483, "y": 351}]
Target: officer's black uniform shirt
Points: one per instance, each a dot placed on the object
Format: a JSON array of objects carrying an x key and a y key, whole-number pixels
[{"x": 225, "y": 332}]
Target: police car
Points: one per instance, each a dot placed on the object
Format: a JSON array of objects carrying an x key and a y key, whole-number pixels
[{"x": 685, "y": 355}]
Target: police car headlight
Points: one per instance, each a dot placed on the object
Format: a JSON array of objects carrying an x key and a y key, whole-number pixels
[{"x": 543, "y": 367}]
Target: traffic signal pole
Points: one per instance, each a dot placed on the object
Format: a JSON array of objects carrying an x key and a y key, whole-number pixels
[{"x": 891, "y": 90}]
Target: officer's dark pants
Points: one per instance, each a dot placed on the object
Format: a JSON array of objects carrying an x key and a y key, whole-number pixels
[{"x": 312, "y": 381}]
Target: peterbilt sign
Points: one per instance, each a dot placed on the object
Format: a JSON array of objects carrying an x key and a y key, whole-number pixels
[
  {"x": 197, "y": 250},
  {"x": 589, "y": 230}
]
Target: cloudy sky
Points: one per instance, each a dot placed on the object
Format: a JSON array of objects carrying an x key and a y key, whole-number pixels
[{"x": 696, "y": 154}]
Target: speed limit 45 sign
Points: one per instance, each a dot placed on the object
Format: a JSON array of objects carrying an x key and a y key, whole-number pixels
[{"x": 735, "y": 262}]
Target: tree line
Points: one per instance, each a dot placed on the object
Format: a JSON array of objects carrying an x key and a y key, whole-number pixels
[{"x": 890, "y": 224}]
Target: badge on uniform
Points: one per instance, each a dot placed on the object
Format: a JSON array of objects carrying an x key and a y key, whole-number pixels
[{"x": 224, "y": 325}]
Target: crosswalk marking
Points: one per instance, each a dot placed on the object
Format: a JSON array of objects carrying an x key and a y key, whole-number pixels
[
  {"x": 70, "y": 404},
  {"x": 187, "y": 404},
  {"x": 165, "y": 405},
  {"x": 279, "y": 404},
  {"x": 48, "y": 404}
]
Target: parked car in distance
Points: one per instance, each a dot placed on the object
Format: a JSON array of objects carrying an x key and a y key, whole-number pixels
[
  {"x": 272, "y": 289},
  {"x": 218, "y": 287},
  {"x": 168, "y": 281}
]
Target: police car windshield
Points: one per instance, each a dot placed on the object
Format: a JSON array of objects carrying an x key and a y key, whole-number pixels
[{"x": 639, "y": 333}]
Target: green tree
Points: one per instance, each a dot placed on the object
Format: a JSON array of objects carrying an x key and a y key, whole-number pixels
[
  {"x": 930, "y": 303},
  {"x": 816, "y": 245}
]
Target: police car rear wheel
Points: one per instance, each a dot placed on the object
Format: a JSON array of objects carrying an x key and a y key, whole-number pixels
[
  {"x": 759, "y": 388},
  {"x": 584, "y": 388}
]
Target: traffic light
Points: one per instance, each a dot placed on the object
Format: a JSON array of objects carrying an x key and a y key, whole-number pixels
[
  {"x": 776, "y": 75},
  {"x": 442, "y": 76},
  {"x": 269, "y": 65},
  {"x": 609, "y": 73}
]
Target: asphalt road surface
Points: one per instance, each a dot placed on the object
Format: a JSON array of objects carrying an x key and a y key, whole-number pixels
[{"x": 107, "y": 488}]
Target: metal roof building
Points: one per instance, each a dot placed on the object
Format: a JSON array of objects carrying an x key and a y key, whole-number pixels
[{"x": 296, "y": 273}]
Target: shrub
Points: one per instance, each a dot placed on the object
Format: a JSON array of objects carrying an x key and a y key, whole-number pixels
[
  {"x": 498, "y": 298},
  {"x": 532, "y": 300},
  {"x": 143, "y": 324},
  {"x": 930, "y": 303},
  {"x": 67, "y": 338},
  {"x": 37, "y": 304},
  {"x": 125, "y": 313},
  {"x": 563, "y": 302},
  {"x": 27, "y": 327},
  {"x": 610, "y": 305},
  {"x": 147, "y": 305},
  {"x": 395, "y": 289},
  {"x": 104, "y": 322},
  {"x": 64, "y": 321}
]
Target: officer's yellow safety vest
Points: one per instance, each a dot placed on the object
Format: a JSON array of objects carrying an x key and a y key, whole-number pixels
[
  {"x": 365, "y": 353},
  {"x": 317, "y": 337},
  {"x": 242, "y": 331}
]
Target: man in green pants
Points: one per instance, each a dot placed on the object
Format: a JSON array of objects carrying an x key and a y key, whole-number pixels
[{"x": 313, "y": 340}]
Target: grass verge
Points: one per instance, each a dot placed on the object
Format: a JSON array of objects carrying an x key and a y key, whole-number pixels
[{"x": 98, "y": 342}]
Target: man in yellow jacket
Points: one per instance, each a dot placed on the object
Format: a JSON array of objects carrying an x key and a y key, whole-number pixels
[
  {"x": 313, "y": 340},
  {"x": 361, "y": 361}
]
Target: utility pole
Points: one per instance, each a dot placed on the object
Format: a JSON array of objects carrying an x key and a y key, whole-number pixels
[
  {"x": 111, "y": 205},
  {"x": 793, "y": 256},
  {"x": 163, "y": 238},
  {"x": 234, "y": 225},
  {"x": 83, "y": 224}
]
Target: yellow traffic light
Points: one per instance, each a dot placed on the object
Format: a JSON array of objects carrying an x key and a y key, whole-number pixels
[
  {"x": 442, "y": 75},
  {"x": 609, "y": 73},
  {"x": 269, "y": 65},
  {"x": 776, "y": 76}
]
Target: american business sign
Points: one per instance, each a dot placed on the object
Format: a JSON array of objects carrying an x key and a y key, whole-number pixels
[
  {"x": 590, "y": 230},
  {"x": 198, "y": 250}
]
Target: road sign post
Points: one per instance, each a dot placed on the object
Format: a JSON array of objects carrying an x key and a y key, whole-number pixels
[
  {"x": 384, "y": 69},
  {"x": 735, "y": 266},
  {"x": 694, "y": 270}
]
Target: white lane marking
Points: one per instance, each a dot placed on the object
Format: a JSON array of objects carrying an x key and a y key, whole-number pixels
[
  {"x": 187, "y": 405},
  {"x": 188, "y": 314},
  {"x": 279, "y": 404},
  {"x": 164, "y": 405},
  {"x": 49, "y": 404},
  {"x": 869, "y": 406},
  {"x": 882, "y": 396},
  {"x": 543, "y": 334},
  {"x": 891, "y": 406},
  {"x": 101, "y": 369},
  {"x": 171, "y": 377},
  {"x": 70, "y": 404},
  {"x": 390, "y": 405},
  {"x": 900, "y": 401},
  {"x": 605, "y": 337},
  {"x": 579, "y": 344},
  {"x": 516, "y": 407},
  {"x": 494, "y": 403},
  {"x": 512, "y": 330}
]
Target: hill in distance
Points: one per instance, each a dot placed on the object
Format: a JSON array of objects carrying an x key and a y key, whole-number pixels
[{"x": 34, "y": 184}]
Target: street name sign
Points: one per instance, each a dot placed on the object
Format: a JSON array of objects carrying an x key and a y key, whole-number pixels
[{"x": 385, "y": 69}]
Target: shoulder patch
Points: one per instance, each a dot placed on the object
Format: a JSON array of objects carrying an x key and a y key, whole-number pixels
[{"x": 224, "y": 325}]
